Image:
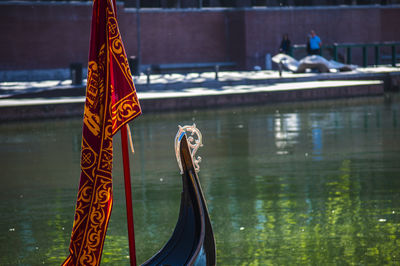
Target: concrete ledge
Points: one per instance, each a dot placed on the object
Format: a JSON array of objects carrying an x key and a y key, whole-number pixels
[
  {"x": 265, "y": 95},
  {"x": 41, "y": 111},
  {"x": 198, "y": 98},
  {"x": 180, "y": 82}
]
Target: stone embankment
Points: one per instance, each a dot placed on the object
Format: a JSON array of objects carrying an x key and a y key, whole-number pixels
[{"x": 172, "y": 92}]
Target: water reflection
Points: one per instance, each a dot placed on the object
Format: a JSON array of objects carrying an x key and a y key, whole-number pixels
[
  {"x": 285, "y": 185},
  {"x": 286, "y": 132},
  {"x": 317, "y": 143}
]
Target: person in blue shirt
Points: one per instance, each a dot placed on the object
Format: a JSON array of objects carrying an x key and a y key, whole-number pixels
[{"x": 315, "y": 44}]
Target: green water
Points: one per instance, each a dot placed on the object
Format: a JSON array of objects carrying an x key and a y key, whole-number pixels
[{"x": 298, "y": 184}]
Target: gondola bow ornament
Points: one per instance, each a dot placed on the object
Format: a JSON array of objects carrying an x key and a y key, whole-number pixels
[
  {"x": 195, "y": 141},
  {"x": 192, "y": 242},
  {"x": 111, "y": 102}
]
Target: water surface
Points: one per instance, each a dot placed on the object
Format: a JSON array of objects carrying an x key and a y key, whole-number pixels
[{"x": 311, "y": 183}]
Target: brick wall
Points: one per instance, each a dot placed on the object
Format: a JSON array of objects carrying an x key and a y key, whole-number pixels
[{"x": 48, "y": 36}]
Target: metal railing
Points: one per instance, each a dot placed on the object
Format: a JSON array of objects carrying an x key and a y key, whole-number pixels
[{"x": 333, "y": 51}]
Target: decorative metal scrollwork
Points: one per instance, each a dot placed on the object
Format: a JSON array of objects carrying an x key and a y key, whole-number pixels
[{"x": 194, "y": 142}]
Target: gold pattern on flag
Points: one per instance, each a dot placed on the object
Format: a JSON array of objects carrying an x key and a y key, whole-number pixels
[{"x": 106, "y": 110}]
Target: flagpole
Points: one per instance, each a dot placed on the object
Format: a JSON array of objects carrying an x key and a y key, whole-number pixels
[{"x": 128, "y": 195}]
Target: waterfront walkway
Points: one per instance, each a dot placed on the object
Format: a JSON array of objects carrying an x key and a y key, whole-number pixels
[{"x": 29, "y": 100}]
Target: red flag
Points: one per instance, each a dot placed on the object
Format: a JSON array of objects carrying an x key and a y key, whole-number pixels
[{"x": 111, "y": 102}]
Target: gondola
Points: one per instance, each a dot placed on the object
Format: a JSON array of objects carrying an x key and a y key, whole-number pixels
[{"x": 192, "y": 242}]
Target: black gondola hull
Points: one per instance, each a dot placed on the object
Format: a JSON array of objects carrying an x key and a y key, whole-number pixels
[{"x": 192, "y": 242}]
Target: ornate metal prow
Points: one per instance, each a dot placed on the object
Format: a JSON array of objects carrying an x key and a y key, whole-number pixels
[
  {"x": 194, "y": 141},
  {"x": 192, "y": 242}
]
